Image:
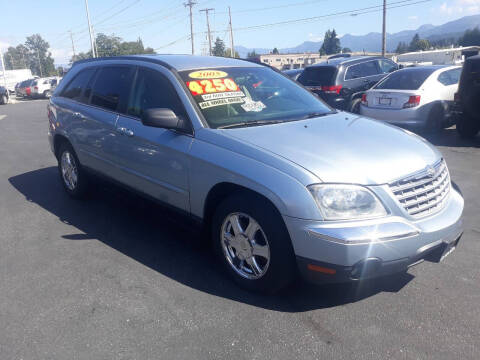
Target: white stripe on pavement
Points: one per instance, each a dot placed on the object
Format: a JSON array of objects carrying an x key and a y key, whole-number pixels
[{"x": 2, "y": 117}]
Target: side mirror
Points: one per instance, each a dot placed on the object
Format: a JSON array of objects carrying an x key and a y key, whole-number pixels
[{"x": 163, "y": 118}]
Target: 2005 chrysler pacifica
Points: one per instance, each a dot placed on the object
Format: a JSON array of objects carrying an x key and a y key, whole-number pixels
[{"x": 284, "y": 183}]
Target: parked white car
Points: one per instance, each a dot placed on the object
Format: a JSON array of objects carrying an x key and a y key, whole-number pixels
[
  {"x": 419, "y": 98},
  {"x": 42, "y": 87}
]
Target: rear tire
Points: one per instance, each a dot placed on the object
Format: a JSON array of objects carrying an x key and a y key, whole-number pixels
[
  {"x": 46, "y": 94},
  {"x": 257, "y": 252},
  {"x": 4, "y": 100},
  {"x": 355, "y": 106},
  {"x": 73, "y": 177},
  {"x": 466, "y": 126}
]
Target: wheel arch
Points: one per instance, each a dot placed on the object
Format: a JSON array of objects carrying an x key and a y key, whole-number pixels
[
  {"x": 58, "y": 141},
  {"x": 222, "y": 190}
]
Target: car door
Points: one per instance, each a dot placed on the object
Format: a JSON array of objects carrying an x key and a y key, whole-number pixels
[
  {"x": 107, "y": 94},
  {"x": 154, "y": 161}
]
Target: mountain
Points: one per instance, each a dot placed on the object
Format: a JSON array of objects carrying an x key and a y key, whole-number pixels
[{"x": 372, "y": 41}]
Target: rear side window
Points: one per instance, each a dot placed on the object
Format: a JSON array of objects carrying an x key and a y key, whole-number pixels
[
  {"x": 450, "y": 77},
  {"x": 387, "y": 66},
  {"x": 75, "y": 88},
  {"x": 153, "y": 90},
  {"x": 365, "y": 69},
  {"x": 410, "y": 79},
  {"x": 318, "y": 76},
  {"x": 111, "y": 88}
]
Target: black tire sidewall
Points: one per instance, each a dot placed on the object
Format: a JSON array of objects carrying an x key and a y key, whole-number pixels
[
  {"x": 80, "y": 190},
  {"x": 282, "y": 267},
  {"x": 4, "y": 100},
  {"x": 355, "y": 105},
  {"x": 435, "y": 120},
  {"x": 466, "y": 126}
]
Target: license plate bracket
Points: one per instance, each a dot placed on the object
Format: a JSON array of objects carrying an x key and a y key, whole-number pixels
[{"x": 385, "y": 101}]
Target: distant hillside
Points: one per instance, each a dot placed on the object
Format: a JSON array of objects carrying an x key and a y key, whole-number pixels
[{"x": 372, "y": 41}]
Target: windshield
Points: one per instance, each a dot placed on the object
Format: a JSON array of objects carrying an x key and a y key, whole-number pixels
[
  {"x": 235, "y": 97},
  {"x": 408, "y": 79}
]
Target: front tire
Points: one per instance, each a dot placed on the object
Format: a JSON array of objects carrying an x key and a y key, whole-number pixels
[
  {"x": 73, "y": 176},
  {"x": 4, "y": 100},
  {"x": 252, "y": 243}
]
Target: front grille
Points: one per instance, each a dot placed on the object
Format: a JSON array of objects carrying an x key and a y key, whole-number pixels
[{"x": 423, "y": 194}]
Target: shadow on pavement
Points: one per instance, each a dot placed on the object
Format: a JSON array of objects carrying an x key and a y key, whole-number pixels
[
  {"x": 160, "y": 240},
  {"x": 450, "y": 137}
]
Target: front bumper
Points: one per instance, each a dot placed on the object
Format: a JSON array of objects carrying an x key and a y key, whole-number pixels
[{"x": 343, "y": 251}]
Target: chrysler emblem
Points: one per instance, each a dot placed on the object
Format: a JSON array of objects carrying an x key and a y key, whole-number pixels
[{"x": 430, "y": 171}]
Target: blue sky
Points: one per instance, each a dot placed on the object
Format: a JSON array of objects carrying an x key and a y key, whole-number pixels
[{"x": 164, "y": 24}]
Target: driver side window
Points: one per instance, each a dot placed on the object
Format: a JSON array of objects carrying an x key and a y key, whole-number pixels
[{"x": 153, "y": 90}]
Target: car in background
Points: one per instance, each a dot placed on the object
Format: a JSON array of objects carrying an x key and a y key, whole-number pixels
[
  {"x": 4, "y": 95},
  {"x": 467, "y": 99},
  {"x": 42, "y": 87},
  {"x": 280, "y": 181},
  {"x": 419, "y": 98},
  {"x": 24, "y": 88},
  {"x": 341, "y": 81},
  {"x": 54, "y": 83},
  {"x": 293, "y": 73}
]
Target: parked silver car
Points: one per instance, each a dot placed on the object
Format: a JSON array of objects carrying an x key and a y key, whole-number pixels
[{"x": 283, "y": 182}]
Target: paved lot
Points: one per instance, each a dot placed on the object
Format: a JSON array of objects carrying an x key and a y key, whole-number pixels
[{"x": 118, "y": 278}]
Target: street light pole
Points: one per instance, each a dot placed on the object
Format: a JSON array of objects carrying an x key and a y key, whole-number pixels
[{"x": 90, "y": 30}]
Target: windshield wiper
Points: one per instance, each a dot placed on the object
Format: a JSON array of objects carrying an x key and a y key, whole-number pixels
[
  {"x": 317, "y": 114},
  {"x": 250, "y": 123}
]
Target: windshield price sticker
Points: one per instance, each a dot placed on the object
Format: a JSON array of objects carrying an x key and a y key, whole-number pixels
[
  {"x": 255, "y": 106},
  {"x": 222, "y": 95},
  {"x": 207, "y": 74},
  {"x": 218, "y": 102},
  {"x": 209, "y": 86}
]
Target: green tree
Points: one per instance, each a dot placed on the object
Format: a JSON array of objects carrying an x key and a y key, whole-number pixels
[
  {"x": 331, "y": 44},
  {"x": 470, "y": 38},
  {"x": 402, "y": 48},
  {"x": 252, "y": 54},
  {"x": 346, "y": 50},
  {"x": 111, "y": 45},
  {"x": 418, "y": 44},
  {"x": 17, "y": 58},
  {"x": 40, "y": 59},
  {"x": 219, "y": 48},
  {"x": 228, "y": 53},
  {"x": 275, "y": 51}
]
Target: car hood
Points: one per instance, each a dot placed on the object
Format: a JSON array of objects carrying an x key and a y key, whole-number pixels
[{"x": 343, "y": 148}]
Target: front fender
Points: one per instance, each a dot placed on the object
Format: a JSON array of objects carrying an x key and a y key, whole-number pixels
[{"x": 212, "y": 164}]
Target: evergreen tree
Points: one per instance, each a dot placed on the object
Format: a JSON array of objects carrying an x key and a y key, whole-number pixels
[
  {"x": 275, "y": 51},
  {"x": 470, "y": 38},
  {"x": 218, "y": 48},
  {"x": 331, "y": 44}
]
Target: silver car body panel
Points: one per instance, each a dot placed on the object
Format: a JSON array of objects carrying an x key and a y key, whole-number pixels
[{"x": 277, "y": 161}]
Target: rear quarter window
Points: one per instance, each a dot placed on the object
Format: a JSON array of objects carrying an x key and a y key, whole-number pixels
[
  {"x": 74, "y": 89},
  {"x": 318, "y": 76},
  {"x": 365, "y": 69}
]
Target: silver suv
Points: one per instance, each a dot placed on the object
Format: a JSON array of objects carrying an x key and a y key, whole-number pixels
[{"x": 284, "y": 183}]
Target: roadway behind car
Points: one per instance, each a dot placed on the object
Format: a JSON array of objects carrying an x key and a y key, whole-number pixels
[{"x": 118, "y": 277}]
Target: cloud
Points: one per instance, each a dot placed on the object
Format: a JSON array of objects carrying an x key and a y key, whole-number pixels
[
  {"x": 460, "y": 7},
  {"x": 61, "y": 56},
  {"x": 4, "y": 45}
]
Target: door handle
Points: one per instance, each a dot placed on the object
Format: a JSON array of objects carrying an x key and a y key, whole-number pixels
[{"x": 77, "y": 114}]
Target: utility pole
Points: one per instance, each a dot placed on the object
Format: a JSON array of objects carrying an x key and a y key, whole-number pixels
[
  {"x": 208, "y": 31},
  {"x": 90, "y": 30},
  {"x": 39, "y": 63},
  {"x": 384, "y": 30},
  {"x": 94, "y": 41},
  {"x": 231, "y": 32},
  {"x": 190, "y": 4},
  {"x": 73, "y": 44}
]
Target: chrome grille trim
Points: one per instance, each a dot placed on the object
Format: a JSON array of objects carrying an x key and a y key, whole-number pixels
[{"x": 422, "y": 194}]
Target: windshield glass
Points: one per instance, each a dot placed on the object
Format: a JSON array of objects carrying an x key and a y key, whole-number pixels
[
  {"x": 231, "y": 97},
  {"x": 408, "y": 79}
]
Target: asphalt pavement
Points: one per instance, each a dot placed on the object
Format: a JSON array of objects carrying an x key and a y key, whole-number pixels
[{"x": 117, "y": 277}]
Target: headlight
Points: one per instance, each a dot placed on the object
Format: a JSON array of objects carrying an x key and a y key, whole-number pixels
[{"x": 346, "y": 202}]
